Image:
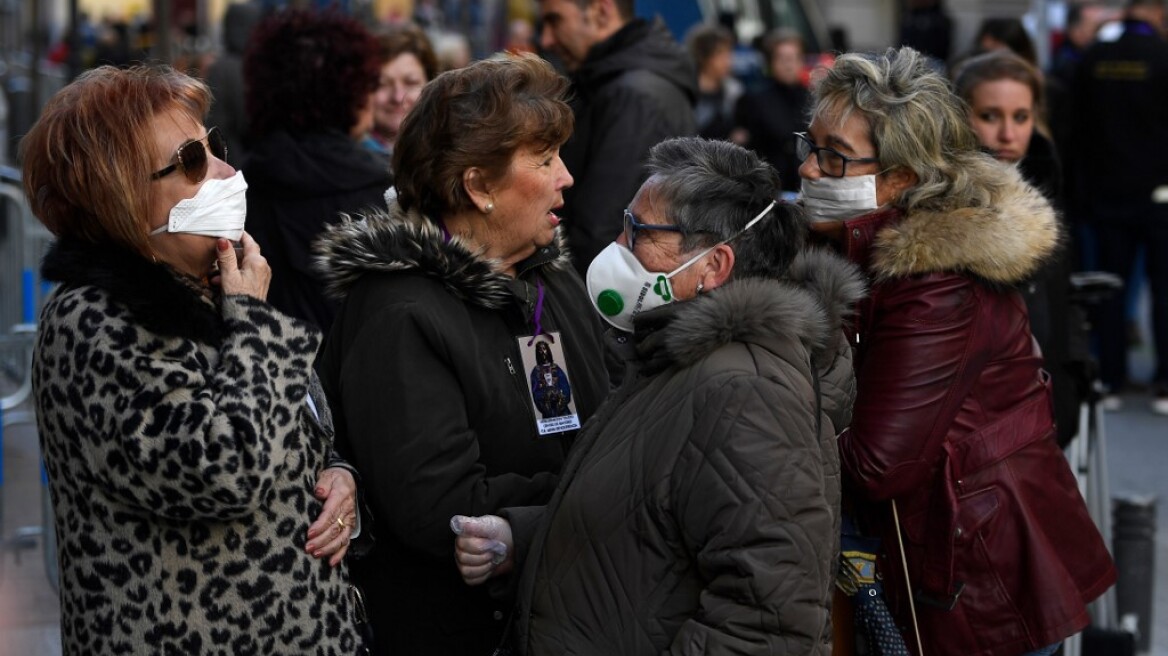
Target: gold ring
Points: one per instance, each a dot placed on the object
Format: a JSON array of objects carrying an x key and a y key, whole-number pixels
[{"x": 341, "y": 522}]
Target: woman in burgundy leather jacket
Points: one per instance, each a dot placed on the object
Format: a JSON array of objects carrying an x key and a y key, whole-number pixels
[{"x": 953, "y": 425}]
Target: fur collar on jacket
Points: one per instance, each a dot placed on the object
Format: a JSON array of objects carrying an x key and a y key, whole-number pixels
[
  {"x": 382, "y": 242},
  {"x": 152, "y": 293},
  {"x": 810, "y": 304},
  {"x": 1004, "y": 242}
]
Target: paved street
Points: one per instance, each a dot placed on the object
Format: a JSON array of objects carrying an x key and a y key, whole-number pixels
[{"x": 1137, "y": 442}]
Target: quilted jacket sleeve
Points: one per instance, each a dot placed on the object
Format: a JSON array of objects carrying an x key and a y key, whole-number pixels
[
  {"x": 918, "y": 355},
  {"x": 187, "y": 443},
  {"x": 753, "y": 508}
]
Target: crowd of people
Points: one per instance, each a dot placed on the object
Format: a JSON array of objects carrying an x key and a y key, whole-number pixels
[{"x": 598, "y": 356}]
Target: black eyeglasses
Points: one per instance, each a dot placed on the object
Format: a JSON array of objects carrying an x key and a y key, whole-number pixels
[
  {"x": 832, "y": 162},
  {"x": 191, "y": 157},
  {"x": 632, "y": 225}
]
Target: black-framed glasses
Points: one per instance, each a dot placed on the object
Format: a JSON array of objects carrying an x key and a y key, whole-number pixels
[
  {"x": 192, "y": 158},
  {"x": 832, "y": 162},
  {"x": 632, "y": 225}
]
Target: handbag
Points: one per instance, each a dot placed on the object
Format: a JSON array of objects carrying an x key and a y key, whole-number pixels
[{"x": 857, "y": 578}]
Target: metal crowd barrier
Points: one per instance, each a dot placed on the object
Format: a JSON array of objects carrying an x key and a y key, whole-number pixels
[{"x": 23, "y": 242}]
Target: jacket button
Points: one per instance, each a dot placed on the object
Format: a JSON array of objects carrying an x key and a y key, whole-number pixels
[
  {"x": 956, "y": 532},
  {"x": 856, "y": 233},
  {"x": 497, "y": 614}
]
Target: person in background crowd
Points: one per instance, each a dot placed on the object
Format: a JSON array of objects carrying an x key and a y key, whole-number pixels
[
  {"x": 1120, "y": 95},
  {"x": 310, "y": 79},
  {"x": 926, "y": 26},
  {"x": 444, "y": 298},
  {"x": 771, "y": 116},
  {"x": 951, "y": 446},
  {"x": 699, "y": 514},
  {"x": 1008, "y": 33},
  {"x": 520, "y": 37},
  {"x": 633, "y": 86},
  {"x": 183, "y": 431},
  {"x": 225, "y": 77},
  {"x": 1082, "y": 25},
  {"x": 712, "y": 50},
  {"x": 1054, "y": 122},
  {"x": 409, "y": 64},
  {"x": 1004, "y": 94}
]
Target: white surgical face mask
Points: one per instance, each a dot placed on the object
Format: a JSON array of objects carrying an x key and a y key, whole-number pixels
[
  {"x": 621, "y": 288},
  {"x": 833, "y": 199},
  {"x": 219, "y": 209}
]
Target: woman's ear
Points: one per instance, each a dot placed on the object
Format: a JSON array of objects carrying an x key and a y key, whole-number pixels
[
  {"x": 718, "y": 267},
  {"x": 891, "y": 185},
  {"x": 474, "y": 183},
  {"x": 902, "y": 179}
]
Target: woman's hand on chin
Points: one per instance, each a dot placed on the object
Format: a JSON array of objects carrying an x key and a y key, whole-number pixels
[{"x": 249, "y": 275}]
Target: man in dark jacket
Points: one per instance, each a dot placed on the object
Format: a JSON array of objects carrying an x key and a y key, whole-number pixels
[
  {"x": 634, "y": 86},
  {"x": 1121, "y": 93}
]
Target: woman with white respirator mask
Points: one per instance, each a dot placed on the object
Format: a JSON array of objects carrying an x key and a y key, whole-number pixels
[
  {"x": 182, "y": 426},
  {"x": 737, "y": 379}
]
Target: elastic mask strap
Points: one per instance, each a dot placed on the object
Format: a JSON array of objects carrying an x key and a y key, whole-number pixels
[
  {"x": 706, "y": 252},
  {"x": 160, "y": 229}
]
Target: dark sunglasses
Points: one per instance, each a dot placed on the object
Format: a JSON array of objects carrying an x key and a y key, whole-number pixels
[{"x": 191, "y": 157}]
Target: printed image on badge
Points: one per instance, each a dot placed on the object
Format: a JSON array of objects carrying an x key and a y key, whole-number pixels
[{"x": 551, "y": 390}]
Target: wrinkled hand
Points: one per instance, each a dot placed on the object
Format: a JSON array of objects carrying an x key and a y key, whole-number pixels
[
  {"x": 483, "y": 547},
  {"x": 249, "y": 275},
  {"x": 328, "y": 537}
]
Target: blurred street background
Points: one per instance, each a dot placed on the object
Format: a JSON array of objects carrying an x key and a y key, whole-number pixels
[{"x": 45, "y": 43}]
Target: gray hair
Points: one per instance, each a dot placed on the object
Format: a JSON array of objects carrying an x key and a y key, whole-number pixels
[
  {"x": 915, "y": 122},
  {"x": 712, "y": 189}
]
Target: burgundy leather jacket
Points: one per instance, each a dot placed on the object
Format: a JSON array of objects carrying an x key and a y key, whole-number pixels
[{"x": 953, "y": 421}]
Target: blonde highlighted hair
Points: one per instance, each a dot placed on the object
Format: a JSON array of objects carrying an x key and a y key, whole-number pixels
[
  {"x": 915, "y": 122},
  {"x": 88, "y": 159}
]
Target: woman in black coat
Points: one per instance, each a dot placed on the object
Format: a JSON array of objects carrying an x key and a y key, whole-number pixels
[
  {"x": 1005, "y": 96},
  {"x": 447, "y": 301}
]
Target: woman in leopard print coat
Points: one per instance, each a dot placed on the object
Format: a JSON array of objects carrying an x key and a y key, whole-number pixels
[{"x": 176, "y": 407}]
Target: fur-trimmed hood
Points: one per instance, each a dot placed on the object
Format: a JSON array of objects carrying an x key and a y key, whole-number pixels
[
  {"x": 386, "y": 242},
  {"x": 820, "y": 291},
  {"x": 1004, "y": 242}
]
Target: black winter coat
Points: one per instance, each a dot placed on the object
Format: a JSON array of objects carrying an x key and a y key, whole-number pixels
[
  {"x": 296, "y": 186},
  {"x": 1121, "y": 96},
  {"x": 633, "y": 90},
  {"x": 430, "y": 399}
]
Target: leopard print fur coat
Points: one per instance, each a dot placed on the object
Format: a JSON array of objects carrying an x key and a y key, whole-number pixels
[{"x": 181, "y": 454}]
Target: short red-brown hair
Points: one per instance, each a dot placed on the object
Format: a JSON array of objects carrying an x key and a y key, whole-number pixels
[{"x": 88, "y": 159}]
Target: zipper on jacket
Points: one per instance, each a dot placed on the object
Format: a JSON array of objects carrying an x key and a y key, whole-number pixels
[{"x": 524, "y": 394}]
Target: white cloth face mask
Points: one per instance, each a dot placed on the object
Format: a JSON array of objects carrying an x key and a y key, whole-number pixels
[
  {"x": 620, "y": 287},
  {"x": 834, "y": 199},
  {"x": 219, "y": 209}
]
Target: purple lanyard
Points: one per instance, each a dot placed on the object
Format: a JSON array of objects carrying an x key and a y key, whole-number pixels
[
  {"x": 1139, "y": 27},
  {"x": 537, "y": 317}
]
